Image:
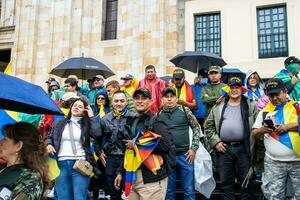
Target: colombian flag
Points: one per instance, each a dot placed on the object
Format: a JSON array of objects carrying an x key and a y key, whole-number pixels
[
  {"x": 285, "y": 114},
  {"x": 144, "y": 144}
]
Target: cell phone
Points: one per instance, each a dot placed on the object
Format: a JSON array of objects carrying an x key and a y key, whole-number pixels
[{"x": 269, "y": 124}]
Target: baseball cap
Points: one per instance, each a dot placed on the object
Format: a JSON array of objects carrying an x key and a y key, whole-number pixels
[
  {"x": 127, "y": 77},
  {"x": 214, "y": 69},
  {"x": 169, "y": 90},
  {"x": 54, "y": 83},
  {"x": 291, "y": 60},
  {"x": 143, "y": 91},
  {"x": 178, "y": 74},
  {"x": 98, "y": 77},
  {"x": 274, "y": 85},
  {"x": 235, "y": 81},
  {"x": 49, "y": 80},
  {"x": 69, "y": 95}
]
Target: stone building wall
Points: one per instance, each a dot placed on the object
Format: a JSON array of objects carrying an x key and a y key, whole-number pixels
[{"x": 48, "y": 32}]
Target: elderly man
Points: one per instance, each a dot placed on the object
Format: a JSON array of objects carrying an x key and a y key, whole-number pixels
[
  {"x": 95, "y": 86},
  {"x": 184, "y": 92},
  {"x": 228, "y": 129},
  {"x": 277, "y": 126}
]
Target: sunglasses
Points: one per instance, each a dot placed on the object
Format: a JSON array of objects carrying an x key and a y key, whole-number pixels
[{"x": 100, "y": 98}]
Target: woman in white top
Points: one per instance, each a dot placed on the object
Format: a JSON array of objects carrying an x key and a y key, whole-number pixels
[{"x": 70, "y": 141}]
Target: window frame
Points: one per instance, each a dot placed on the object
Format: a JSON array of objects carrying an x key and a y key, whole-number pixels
[
  {"x": 111, "y": 20},
  {"x": 207, "y": 28},
  {"x": 273, "y": 51}
]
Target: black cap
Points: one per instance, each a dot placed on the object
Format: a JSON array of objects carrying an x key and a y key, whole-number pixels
[
  {"x": 274, "y": 86},
  {"x": 169, "y": 90},
  {"x": 291, "y": 60},
  {"x": 50, "y": 80},
  {"x": 127, "y": 77},
  {"x": 178, "y": 74},
  {"x": 235, "y": 81},
  {"x": 143, "y": 91}
]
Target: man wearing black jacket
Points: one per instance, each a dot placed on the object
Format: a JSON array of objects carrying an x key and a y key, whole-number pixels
[{"x": 148, "y": 185}]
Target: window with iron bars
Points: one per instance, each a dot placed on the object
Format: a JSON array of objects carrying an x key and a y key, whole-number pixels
[
  {"x": 208, "y": 33},
  {"x": 272, "y": 32},
  {"x": 111, "y": 20}
]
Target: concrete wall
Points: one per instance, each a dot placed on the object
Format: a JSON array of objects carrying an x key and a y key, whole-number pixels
[
  {"x": 49, "y": 32},
  {"x": 44, "y": 33},
  {"x": 239, "y": 31}
]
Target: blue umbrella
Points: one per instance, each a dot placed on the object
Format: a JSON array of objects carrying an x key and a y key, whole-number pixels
[
  {"x": 22, "y": 96},
  {"x": 195, "y": 60},
  {"x": 230, "y": 72}
]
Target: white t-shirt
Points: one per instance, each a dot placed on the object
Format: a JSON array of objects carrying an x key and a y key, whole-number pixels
[{"x": 274, "y": 149}]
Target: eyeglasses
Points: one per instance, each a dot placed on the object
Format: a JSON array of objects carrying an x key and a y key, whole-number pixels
[
  {"x": 100, "y": 98},
  {"x": 97, "y": 80}
]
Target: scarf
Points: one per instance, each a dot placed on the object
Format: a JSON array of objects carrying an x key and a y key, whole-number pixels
[
  {"x": 186, "y": 93},
  {"x": 144, "y": 144},
  {"x": 155, "y": 87},
  {"x": 118, "y": 113},
  {"x": 285, "y": 113},
  {"x": 101, "y": 111}
]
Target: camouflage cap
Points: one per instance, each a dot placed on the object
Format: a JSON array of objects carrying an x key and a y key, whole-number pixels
[
  {"x": 142, "y": 90},
  {"x": 214, "y": 69}
]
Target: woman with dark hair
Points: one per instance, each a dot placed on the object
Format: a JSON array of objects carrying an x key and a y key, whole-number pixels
[
  {"x": 101, "y": 104},
  {"x": 26, "y": 172},
  {"x": 70, "y": 141}
]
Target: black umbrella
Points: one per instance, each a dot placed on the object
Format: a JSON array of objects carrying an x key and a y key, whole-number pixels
[
  {"x": 195, "y": 60},
  {"x": 82, "y": 67},
  {"x": 22, "y": 96}
]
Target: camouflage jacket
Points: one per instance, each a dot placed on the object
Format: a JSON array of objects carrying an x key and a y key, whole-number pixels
[{"x": 24, "y": 183}]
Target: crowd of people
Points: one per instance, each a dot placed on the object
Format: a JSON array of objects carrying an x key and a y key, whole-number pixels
[{"x": 135, "y": 140}]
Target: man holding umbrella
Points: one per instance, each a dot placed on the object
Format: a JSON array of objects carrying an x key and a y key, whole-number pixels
[{"x": 94, "y": 86}]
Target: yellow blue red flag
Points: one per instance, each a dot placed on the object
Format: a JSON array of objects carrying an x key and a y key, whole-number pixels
[
  {"x": 143, "y": 145},
  {"x": 285, "y": 114}
]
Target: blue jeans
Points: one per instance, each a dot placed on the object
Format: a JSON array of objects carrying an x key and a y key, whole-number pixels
[
  {"x": 71, "y": 184},
  {"x": 186, "y": 173}
]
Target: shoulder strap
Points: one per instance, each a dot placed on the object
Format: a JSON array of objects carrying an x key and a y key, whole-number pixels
[{"x": 70, "y": 126}]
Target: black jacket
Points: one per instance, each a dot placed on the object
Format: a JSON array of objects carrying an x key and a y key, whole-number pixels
[
  {"x": 146, "y": 122},
  {"x": 90, "y": 129}
]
